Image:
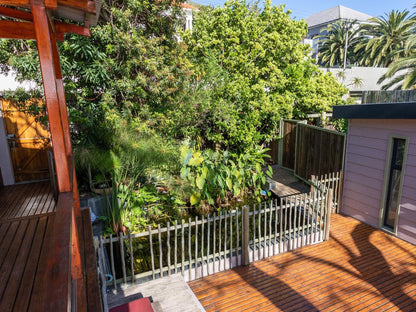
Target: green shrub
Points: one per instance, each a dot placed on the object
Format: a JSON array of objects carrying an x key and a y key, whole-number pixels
[{"x": 217, "y": 177}]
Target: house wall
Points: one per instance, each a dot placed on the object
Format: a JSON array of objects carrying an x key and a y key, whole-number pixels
[
  {"x": 5, "y": 160},
  {"x": 365, "y": 162}
]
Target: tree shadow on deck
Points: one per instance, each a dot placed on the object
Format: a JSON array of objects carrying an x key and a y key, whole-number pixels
[
  {"x": 376, "y": 276},
  {"x": 385, "y": 273},
  {"x": 278, "y": 293}
]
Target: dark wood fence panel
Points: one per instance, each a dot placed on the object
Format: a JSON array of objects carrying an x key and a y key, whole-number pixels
[
  {"x": 289, "y": 144},
  {"x": 273, "y": 152},
  {"x": 319, "y": 151}
]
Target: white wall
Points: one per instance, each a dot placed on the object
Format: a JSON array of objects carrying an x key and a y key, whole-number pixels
[
  {"x": 5, "y": 160},
  {"x": 368, "y": 75},
  {"x": 9, "y": 83}
]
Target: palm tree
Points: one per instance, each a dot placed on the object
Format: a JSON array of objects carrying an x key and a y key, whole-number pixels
[
  {"x": 386, "y": 38},
  {"x": 403, "y": 69},
  {"x": 337, "y": 37}
]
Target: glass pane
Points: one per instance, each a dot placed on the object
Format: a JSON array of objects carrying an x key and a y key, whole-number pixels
[
  {"x": 400, "y": 145},
  {"x": 393, "y": 190},
  {"x": 393, "y": 201}
]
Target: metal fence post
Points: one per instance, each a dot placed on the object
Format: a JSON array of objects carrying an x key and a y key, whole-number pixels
[
  {"x": 328, "y": 213},
  {"x": 313, "y": 185},
  {"x": 245, "y": 243}
]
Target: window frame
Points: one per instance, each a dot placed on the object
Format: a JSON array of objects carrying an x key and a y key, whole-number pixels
[{"x": 386, "y": 181}]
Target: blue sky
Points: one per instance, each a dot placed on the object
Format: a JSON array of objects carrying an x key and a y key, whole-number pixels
[{"x": 304, "y": 8}]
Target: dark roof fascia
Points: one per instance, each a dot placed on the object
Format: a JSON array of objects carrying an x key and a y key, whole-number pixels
[{"x": 404, "y": 110}]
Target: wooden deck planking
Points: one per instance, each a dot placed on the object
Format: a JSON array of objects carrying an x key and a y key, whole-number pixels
[
  {"x": 21, "y": 270},
  {"x": 286, "y": 184},
  {"x": 18, "y": 201},
  {"x": 359, "y": 268}
]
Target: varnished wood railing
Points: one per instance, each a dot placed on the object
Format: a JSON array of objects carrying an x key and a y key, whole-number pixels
[{"x": 57, "y": 285}]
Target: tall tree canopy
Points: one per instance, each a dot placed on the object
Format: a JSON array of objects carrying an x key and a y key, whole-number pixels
[
  {"x": 403, "y": 70},
  {"x": 251, "y": 71},
  {"x": 132, "y": 61},
  {"x": 384, "y": 38},
  {"x": 334, "y": 38},
  {"x": 226, "y": 84}
]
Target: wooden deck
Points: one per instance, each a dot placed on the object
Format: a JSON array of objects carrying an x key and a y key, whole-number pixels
[
  {"x": 25, "y": 200},
  {"x": 286, "y": 184},
  {"x": 27, "y": 215},
  {"x": 359, "y": 268}
]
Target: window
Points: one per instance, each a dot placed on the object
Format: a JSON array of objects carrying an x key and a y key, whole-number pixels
[{"x": 393, "y": 181}]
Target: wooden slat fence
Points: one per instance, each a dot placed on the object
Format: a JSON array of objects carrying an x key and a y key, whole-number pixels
[
  {"x": 318, "y": 151},
  {"x": 388, "y": 96},
  {"x": 308, "y": 150},
  {"x": 288, "y": 146},
  {"x": 218, "y": 242}
]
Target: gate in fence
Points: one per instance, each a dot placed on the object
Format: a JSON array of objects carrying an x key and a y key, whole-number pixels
[{"x": 218, "y": 242}]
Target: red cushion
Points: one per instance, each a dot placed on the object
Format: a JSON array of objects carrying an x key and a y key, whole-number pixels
[{"x": 139, "y": 305}]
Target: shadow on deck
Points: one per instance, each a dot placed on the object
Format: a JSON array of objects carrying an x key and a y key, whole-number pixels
[
  {"x": 26, "y": 200},
  {"x": 359, "y": 268}
]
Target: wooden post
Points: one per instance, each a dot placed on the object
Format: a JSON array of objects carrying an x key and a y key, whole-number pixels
[
  {"x": 328, "y": 213},
  {"x": 280, "y": 146},
  {"x": 245, "y": 230}
]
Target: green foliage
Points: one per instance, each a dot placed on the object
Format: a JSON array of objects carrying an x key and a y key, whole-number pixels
[
  {"x": 387, "y": 37},
  {"x": 250, "y": 71},
  {"x": 217, "y": 177},
  {"x": 118, "y": 204},
  {"x": 132, "y": 61},
  {"x": 332, "y": 49},
  {"x": 403, "y": 69},
  {"x": 148, "y": 153}
]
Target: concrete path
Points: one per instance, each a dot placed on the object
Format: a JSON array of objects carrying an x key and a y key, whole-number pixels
[{"x": 169, "y": 294}]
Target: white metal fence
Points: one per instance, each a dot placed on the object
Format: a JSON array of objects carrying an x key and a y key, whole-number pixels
[{"x": 218, "y": 242}]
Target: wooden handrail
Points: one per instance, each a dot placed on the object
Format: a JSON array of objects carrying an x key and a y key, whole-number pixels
[{"x": 57, "y": 280}]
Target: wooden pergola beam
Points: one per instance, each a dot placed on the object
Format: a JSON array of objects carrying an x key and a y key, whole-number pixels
[
  {"x": 44, "y": 45},
  {"x": 65, "y": 28},
  {"x": 82, "y": 5},
  {"x": 16, "y": 3},
  {"x": 21, "y": 30},
  {"x": 17, "y": 30},
  {"x": 86, "y": 6},
  {"x": 17, "y": 14}
]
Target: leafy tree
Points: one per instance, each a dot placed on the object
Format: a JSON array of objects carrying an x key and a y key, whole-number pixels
[
  {"x": 332, "y": 49},
  {"x": 386, "y": 38},
  {"x": 250, "y": 71},
  {"x": 132, "y": 61}
]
